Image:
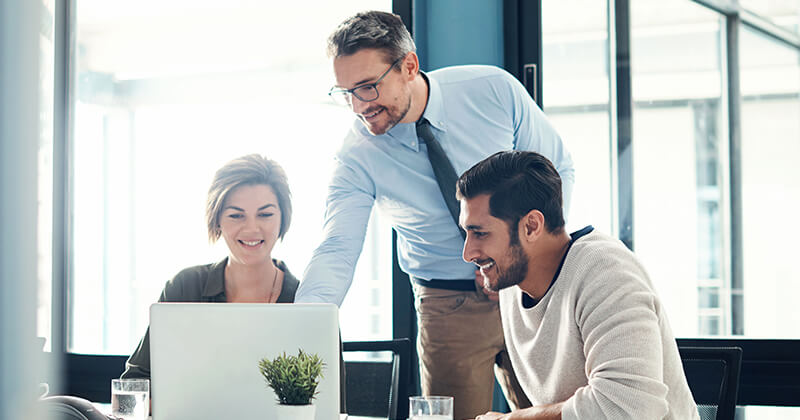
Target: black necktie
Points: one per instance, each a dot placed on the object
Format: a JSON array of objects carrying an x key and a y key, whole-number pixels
[{"x": 445, "y": 174}]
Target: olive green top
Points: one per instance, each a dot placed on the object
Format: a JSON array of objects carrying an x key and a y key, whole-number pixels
[{"x": 202, "y": 283}]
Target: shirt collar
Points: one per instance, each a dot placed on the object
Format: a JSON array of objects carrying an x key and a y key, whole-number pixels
[{"x": 434, "y": 110}]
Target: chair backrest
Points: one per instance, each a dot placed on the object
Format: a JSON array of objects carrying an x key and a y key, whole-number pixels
[
  {"x": 378, "y": 388},
  {"x": 713, "y": 377}
]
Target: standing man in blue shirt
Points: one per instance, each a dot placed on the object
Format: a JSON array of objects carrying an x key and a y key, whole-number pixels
[{"x": 473, "y": 111}]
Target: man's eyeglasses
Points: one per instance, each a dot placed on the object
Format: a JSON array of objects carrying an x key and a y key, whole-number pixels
[{"x": 367, "y": 92}]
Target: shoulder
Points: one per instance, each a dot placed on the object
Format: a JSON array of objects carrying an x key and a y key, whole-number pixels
[
  {"x": 189, "y": 283},
  {"x": 478, "y": 84},
  {"x": 598, "y": 249},
  {"x": 601, "y": 270},
  {"x": 471, "y": 74}
]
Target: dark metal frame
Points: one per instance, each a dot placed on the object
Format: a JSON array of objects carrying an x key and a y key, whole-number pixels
[
  {"x": 522, "y": 31},
  {"x": 770, "y": 373},
  {"x": 64, "y": 47},
  {"x": 400, "y": 347},
  {"x": 624, "y": 121},
  {"x": 700, "y": 365}
]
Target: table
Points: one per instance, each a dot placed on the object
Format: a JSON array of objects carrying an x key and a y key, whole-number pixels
[{"x": 106, "y": 408}]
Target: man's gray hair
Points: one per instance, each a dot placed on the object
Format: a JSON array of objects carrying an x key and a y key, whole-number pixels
[{"x": 373, "y": 29}]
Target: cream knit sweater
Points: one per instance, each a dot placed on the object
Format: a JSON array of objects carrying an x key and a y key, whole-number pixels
[{"x": 599, "y": 339}]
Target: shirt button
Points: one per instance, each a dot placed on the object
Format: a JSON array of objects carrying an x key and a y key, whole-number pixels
[{"x": 413, "y": 144}]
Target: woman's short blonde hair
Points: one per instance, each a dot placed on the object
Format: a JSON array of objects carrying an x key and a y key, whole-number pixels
[{"x": 247, "y": 170}]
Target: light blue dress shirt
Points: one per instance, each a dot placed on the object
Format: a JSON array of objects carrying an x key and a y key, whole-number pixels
[{"x": 474, "y": 111}]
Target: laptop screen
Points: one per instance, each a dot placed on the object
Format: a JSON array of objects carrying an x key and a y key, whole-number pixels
[{"x": 204, "y": 357}]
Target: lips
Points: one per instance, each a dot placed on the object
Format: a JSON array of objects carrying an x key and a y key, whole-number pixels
[
  {"x": 372, "y": 114},
  {"x": 485, "y": 266},
  {"x": 253, "y": 243}
]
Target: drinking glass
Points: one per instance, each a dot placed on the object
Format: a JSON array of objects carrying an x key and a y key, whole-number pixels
[
  {"x": 430, "y": 408},
  {"x": 130, "y": 398}
]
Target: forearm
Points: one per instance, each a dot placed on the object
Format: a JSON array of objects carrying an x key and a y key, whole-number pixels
[
  {"x": 326, "y": 279},
  {"x": 540, "y": 412}
]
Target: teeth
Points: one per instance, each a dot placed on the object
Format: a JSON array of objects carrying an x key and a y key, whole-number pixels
[
  {"x": 251, "y": 243},
  {"x": 373, "y": 114},
  {"x": 487, "y": 266}
]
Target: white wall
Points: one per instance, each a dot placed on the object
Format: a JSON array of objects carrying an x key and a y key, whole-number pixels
[{"x": 19, "y": 116}]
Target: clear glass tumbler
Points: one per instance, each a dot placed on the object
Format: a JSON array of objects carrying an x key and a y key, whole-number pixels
[
  {"x": 430, "y": 408},
  {"x": 130, "y": 398}
]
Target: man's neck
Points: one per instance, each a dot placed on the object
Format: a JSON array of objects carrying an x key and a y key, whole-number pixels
[
  {"x": 544, "y": 264},
  {"x": 420, "y": 92}
]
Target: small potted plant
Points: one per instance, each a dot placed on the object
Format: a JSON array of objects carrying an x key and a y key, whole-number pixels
[{"x": 294, "y": 380}]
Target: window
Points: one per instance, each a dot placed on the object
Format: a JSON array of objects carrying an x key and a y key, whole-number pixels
[
  {"x": 576, "y": 100},
  {"x": 784, "y": 13},
  {"x": 713, "y": 200},
  {"x": 679, "y": 154},
  {"x": 680, "y": 176},
  {"x": 166, "y": 94},
  {"x": 770, "y": 85}
]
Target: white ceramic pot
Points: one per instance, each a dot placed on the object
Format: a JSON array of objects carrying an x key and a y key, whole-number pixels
[{"x": 295, "y": 412}]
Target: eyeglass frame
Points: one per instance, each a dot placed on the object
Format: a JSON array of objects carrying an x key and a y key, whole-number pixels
[{"x": 374, "y": 85}]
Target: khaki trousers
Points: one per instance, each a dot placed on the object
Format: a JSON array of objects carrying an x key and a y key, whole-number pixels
[{"x": 461, "y": 349}]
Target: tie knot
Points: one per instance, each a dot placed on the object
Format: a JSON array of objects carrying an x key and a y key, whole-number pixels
[{"x": 424, "y": 130}]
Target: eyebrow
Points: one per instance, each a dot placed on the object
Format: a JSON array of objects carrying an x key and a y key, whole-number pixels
[
  {"x": 264, "y": 207},
  {"x": 364, "y": 82},
  {"x": 473, "y": 227},
  {"x": 357, "y": 84}
]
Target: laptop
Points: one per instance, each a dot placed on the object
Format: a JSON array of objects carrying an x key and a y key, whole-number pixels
[{"x": 204, "y": 357}]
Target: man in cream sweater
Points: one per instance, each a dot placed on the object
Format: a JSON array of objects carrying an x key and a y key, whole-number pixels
[{"x": 585, "y": 330}]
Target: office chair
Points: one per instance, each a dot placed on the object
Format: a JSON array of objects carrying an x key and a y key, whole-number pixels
[
  {"x": 378, "y": 388},
  {"x": 713, "y": 377}
]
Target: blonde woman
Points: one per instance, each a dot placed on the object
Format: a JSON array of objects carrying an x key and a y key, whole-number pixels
[{"x": 249, "y": 206}]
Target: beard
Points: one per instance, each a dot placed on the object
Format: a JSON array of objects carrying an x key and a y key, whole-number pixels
[
  {"x": 394, "y": 115},
  {"x": 516, "y": 271}
]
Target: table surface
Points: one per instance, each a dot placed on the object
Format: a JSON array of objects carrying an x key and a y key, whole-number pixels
[{"x": 106, "y": 408}]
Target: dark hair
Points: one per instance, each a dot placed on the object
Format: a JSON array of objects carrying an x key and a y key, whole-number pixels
[
  {"x": 247, "y": 170},
  {"x": 373, "y": 29},
  {"x": 517, "y": 183}
]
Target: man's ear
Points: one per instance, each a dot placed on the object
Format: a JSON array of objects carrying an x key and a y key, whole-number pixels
[
  {"x": 410, "y": 65},
  {"x": 532, "y": 225}
]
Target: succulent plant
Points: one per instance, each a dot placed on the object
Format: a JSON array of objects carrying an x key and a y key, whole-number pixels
[{"x": 293, "y": 378}]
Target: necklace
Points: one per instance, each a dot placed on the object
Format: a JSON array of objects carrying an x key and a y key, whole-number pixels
[{"x": 275, "y": 286}]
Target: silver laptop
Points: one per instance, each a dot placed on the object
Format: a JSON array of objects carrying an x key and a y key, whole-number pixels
[{"x": 204, "y": 357}]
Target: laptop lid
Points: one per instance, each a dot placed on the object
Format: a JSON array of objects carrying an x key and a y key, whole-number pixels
[{"x": 204, "y": 357}]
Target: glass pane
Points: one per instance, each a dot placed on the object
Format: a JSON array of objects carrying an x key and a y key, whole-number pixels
[
  {"x": 575, "y": 93},
  {"x": 44, "y": 241},
  {"x": 784, "y": 13},
  {"x": 770, "y": 80},
  {"x": 160, "y": 110},
  {"x": 679, "y": 155}
]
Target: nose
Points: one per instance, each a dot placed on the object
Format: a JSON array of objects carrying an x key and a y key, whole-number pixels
[
  {"x": 357, "y": 105},
  {"x": 470, "y": 251},
  {"x": 250, "y": 223}
]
